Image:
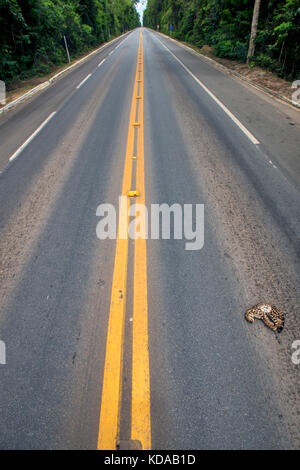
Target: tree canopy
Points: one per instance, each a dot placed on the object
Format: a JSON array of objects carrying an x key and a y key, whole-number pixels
[
  {"x": 225, "y": 25},
  {"x": 32, "y": 31}
]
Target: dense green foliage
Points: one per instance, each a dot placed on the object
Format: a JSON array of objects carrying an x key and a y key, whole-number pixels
[
  {"x": 225, "y": 25},
  {"x": 31, "y": 31}
]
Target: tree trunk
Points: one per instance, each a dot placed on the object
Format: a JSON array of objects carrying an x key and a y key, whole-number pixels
[{"x": 253, "y": 30}]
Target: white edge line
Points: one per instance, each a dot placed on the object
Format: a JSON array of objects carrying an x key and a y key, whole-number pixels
[
  {"x": 23, "y": 97},
  {"x": 20, "y": 149},
  {"x": 271, "y": 163},
  {"x": 84, "y": 80},
  {"x": 225, "y": 109}
]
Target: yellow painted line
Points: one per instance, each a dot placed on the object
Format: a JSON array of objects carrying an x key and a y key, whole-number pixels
[
  {"x": 112, "y": 380},
  {"x": 140, "y": 411}
]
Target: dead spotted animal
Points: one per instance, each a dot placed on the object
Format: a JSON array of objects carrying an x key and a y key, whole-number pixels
[{"x": 269, "y": 314}]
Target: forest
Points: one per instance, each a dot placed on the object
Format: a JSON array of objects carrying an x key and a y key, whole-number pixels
[
  {"x": 225, "y": 25},
  {"x": 32, "y": 32}
]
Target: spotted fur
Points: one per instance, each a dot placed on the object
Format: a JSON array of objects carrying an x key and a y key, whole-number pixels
[{"x": 269, "y": 314}]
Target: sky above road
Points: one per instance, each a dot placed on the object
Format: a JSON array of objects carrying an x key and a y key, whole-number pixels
[{"x": 141, "y": 7}]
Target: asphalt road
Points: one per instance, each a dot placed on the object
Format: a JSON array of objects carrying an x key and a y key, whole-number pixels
[{"x": 216, "y": 382}]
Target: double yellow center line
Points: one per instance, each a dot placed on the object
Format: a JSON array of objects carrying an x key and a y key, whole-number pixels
[{"x": 109, "y": 427}]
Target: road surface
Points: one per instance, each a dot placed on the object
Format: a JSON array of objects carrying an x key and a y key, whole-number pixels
[{"x": 144, "y": 343}]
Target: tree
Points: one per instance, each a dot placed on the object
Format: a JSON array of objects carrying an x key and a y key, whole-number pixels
[
  {"x": 253, "y": 30},
  {"x": 225, "y": 25},
  {"x": 32, "y": 31}
]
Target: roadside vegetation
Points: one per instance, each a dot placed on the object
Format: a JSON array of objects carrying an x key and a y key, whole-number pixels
[
  {"x": 32, "y": 32},
  {"x": 225, "y": 26}
]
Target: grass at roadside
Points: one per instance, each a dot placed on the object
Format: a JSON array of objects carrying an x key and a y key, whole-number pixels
[
  {"x": 18, "y": 88},
  {"x": 256, "y": 74}
]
